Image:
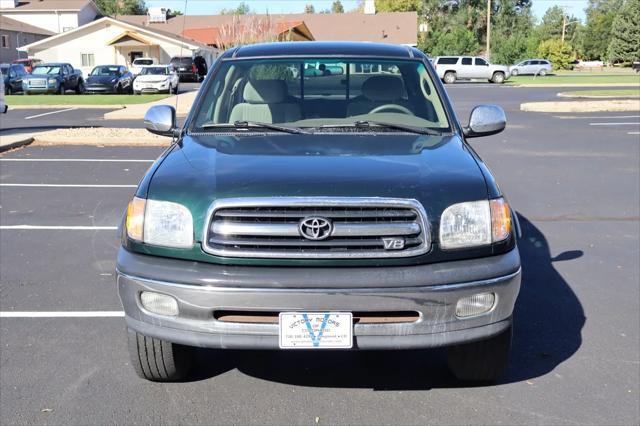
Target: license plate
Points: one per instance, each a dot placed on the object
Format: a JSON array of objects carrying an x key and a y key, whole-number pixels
[
  {"x": 316, "y": 330},
  {"x": 183, "y": 69},
  {"x": 148, "y": 86}
]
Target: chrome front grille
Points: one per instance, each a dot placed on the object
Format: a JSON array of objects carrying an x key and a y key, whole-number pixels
[
  {"x": 38, "y": 82},
  {"x": 348, "y": 228}
]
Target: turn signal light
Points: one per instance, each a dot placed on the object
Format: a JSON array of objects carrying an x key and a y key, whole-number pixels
[
  {"x": 135, "y": 218},
  {"x": 500, "y": 219}
]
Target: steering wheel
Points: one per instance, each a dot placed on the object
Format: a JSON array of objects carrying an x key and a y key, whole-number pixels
[{"x": 391, "y": 107}]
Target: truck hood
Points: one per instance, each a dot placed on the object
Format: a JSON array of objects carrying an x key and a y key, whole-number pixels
[{"x": 436, "y": 170}]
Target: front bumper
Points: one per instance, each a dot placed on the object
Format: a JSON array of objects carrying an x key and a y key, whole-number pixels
[
  {"x": 430, "y": 290},
  {"x": 41, "y": 90},
  {"x": 100, "y": 88}
]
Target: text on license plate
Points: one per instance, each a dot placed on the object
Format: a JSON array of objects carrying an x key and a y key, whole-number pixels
[{"x": 316, "y": 330}]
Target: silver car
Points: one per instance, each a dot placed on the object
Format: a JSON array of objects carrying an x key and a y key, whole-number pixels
[
  {"x": 532, "y": 66},
  {"x": 452, "y": 68}
]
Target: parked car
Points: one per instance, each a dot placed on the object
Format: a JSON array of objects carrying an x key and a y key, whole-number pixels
[
  {"x": 452, "y": 68},
  {"x": 636, "y": 66},
  {"x": 186, "y": 68},
  {"x": 156, "y": 79},
  {"x": 139, "y": 63},
  {"x": 110, "y": 79},
  {"x": 53, "y": 78},
  {"x": 3, "y": 105},
  {"x": 12, "y": 75},
  {"x": 356, "y": 216},
  {"x": 532, "y": 66},
  {"x": 28, "y": 63}
]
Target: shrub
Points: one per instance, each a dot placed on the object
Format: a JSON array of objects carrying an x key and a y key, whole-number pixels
[{"x": 560, "y": 54}]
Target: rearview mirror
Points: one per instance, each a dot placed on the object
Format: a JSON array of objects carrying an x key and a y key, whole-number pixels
[
  {"x": 161, "y": 120},
  {"x": 485, "y": 120}
]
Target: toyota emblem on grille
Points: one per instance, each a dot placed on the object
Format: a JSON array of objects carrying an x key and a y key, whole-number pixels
[{"x": 315, "y": 228}]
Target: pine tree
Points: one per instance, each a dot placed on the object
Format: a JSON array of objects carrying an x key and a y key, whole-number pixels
[{"x": 625, "y": 34}]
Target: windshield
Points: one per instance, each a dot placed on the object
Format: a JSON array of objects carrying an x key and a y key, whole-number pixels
[
  {"x": 183, "y": 60},
  {"x": 315, "y": 93},
  {"x": 154, "y": 71},
  {"x": 143, "y": 62},
  {"x": 105, "y": 71},
  {"x": 46, "y": 70}
]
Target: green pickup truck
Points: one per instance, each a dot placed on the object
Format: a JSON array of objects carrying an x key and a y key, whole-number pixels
[{"x": 333, "y": 210}]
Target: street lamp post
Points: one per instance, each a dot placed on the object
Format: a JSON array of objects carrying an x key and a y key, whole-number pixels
[{"x": 489, "y": 31}]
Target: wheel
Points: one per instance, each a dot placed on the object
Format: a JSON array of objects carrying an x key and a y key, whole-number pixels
[
  {"x": 137, "y": 93},
  {"x": 514, "y": 72},
  {"x": 80, "y": 88},
  {"x": 484, "y": 360},
  {"x": 8, "y": 90},
  {"x": 175, "y": 89},
  {"x": 119, "y": 89},
  {"x": 449, "y": 77},
  {"x": 542, "y": 72},
  {"x": 61, "y": 90},
  {"x": 158, "y": 360},
  {"x": 498, "y": 78}
]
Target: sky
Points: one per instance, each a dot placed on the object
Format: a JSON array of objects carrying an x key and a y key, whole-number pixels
[{"x": 212, "y": 7}]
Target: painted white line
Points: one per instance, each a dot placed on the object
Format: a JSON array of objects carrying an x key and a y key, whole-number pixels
[
  {"x": 59, "y": 228},
  {"x": 615, "y": 124},
  {"x": 80, "y": 160},
  {"x": 54, "y": 185},
  {"x": 633, "y": 133},
  {"x": 61, "y": 314},
  {"x": 597, "y": 118},
  {"x": 49, "y": 113}
]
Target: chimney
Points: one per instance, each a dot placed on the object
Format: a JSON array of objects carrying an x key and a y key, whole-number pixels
[
  {"x": 9, "y": 4},
  {"x": 369, "y": 7}
]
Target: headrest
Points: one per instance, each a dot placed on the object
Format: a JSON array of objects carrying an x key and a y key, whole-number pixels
[
  {"x": 265, "y": 91},
  {"x": 382, "y": 88}
]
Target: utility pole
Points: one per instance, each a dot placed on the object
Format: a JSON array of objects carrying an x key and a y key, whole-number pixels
[
  {"x": 564, "y": 25},
  {"x": 489, "y": 31}
]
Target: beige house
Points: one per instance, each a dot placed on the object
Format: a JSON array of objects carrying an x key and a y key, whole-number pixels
[
  {"x": 110, "y": 41},
  {"x": 54, "y": 16}
]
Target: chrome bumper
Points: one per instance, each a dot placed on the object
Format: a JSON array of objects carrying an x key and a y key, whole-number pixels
[{"x": 435, "y": 303}]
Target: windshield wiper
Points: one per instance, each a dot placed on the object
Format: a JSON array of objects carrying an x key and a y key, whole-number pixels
[
  {"x": 367, "y": 124},
  {"x": 248, "y": 124}
]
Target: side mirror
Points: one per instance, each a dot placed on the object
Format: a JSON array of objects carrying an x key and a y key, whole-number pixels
[
  {"x": 485, "y": 120},
  {"x": 161, "y": 120}
]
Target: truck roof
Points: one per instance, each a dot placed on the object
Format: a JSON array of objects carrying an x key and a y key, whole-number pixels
[{"x": 325, "y": 48}]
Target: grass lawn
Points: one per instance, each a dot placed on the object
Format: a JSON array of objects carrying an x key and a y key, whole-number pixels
[
  {"x": 81, "y": 99},
  {"x": 577, "y": 79},
  {"x": 613, "y": 93}
]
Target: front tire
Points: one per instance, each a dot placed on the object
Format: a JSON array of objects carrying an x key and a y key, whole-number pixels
[
  {"x": 542, "y": 73},
  {"x": 62, "y": 90},
  {"x": 8, "y": 90},
  {"x": 514, "y": 72},
  {"x": 484, "y": 360},
  {"x": 498, "y": 78},
  {"x": 158, "y": 360},
  {"x": 449, "y": 77},
  {"x": 80, "y": 87},
  {"x": 175, "y": 89}
]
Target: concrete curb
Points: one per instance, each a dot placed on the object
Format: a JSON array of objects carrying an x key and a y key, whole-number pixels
[
  {"x": 632, "y": 85},
  {"x": 568, "y": 95},
  {"x": 49, "y": 140},
  {"x": 621, "y": 105},
  {"x": 10, "y": 142}
]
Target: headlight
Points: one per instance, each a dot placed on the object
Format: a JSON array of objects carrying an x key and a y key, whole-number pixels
[
  {"x": 52, "y": 81},
  {"x": 475, "y": 223},
  {"x": 114, "y": 80},
  {"x": 160, "y": 223}
]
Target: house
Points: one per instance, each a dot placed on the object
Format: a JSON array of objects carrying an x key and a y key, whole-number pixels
[
  {"x": 15, "y": 34},
  {"x": 54, "y": 16},
  {"x": 110, "y": 41},
  {"x": 387, "y": 27}
]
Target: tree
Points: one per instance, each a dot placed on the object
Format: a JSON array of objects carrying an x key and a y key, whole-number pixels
[
  {"x": 597, "y": 33},
  {"x": 242, "y": 9},
  {"x": 400, "y": 6},
  {"x": 337, "y": 7},
  {"x": 560, "y": 54},
  {"x": 460, "y": 41},
  {"x": 121, "y": 7},
  {"x": 625, "y": 34},
  {"x": 174, "y": 12},
  {"x": 309, "y": 8}
]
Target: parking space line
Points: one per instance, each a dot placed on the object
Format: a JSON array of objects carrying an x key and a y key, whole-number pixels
[
  {"x": 632, "y": 123},
  {"x": 62, "y": 314},
  {"x": 633, "y": 133},
  {"x": 55, "y": 185},
  {"x": 596, "y": 118},
  {"x": 58, "y": 228},
  {"x": 80, "y": 160},
  {"x": 49, "y": 113}
]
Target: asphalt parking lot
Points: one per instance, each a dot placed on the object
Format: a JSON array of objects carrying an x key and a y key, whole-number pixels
[{"x": 573, "y": 178}]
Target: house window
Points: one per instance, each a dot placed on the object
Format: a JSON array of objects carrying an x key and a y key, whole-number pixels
[
  {"x": 88, "y": 60},
  {"x": 4, "y": 41},
  {"x": 65, "y": 29}
]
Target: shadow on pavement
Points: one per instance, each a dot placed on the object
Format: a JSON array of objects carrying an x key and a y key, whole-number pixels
[{"x": 548, "y": 323}]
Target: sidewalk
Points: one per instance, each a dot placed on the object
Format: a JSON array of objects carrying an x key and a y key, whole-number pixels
[
  {"x": 137, "y": 111},
  {"x": 16, "y": 140}
]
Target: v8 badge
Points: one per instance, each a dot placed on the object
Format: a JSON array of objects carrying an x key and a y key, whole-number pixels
[{"x": 394, "y": 243}]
